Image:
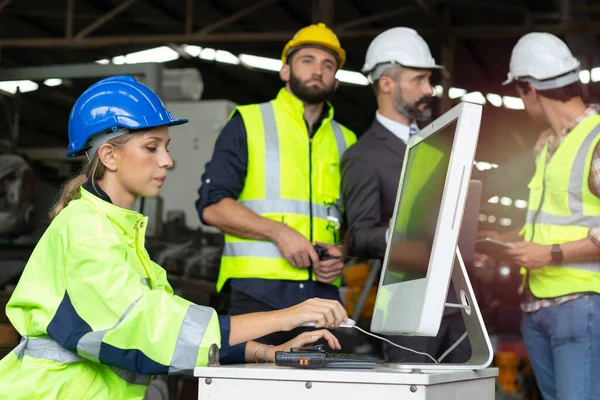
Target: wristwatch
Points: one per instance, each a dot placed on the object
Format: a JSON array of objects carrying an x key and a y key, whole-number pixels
[{"x": 557, "y": 254}]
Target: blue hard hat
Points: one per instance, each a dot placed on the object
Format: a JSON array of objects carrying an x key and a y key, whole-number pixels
[{"x": 111, "y": 104}]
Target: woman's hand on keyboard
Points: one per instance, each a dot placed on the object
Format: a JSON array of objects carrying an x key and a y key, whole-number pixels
[{"x": 303, "y": 340}]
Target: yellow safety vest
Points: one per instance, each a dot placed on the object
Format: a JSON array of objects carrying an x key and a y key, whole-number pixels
[
  {"x": 97, "y": 317},
  {"x": 291, "y": 178},
  {"x": 562, "y": 209}
]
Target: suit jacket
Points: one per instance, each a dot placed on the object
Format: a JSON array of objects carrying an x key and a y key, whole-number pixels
[
  {"x": 370, "y": 175},
  {"x": 371, "y": 172}
]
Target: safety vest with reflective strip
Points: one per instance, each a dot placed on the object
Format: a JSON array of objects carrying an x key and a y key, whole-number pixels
[
  {"x": 562, "y": 209},
  {"x": 291, "y": 178},
  {"x": 97, "y": 316}
]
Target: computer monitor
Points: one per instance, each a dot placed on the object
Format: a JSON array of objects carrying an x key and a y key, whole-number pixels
[
  {"x": 470, "y": 222},
  {"x": 427, "y": 218}
]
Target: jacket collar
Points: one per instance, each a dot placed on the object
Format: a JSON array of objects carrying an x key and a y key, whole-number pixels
[
  {"x": 388, "y": 138},
  {"x": 295, "y": 106},
  {"x": 125, "y": 219}
]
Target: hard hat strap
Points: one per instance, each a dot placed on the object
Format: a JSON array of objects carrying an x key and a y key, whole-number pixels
[
  {"x": 553, "y": 83},
  {"x": 99, "y": 139},
  {"x": 379, "y": 70}
]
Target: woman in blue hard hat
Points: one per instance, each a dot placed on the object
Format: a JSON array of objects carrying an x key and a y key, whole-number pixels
[{"x": 97, "y": 317}]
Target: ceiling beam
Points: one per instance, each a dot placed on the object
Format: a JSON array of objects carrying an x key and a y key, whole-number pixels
[
  {"x": 440, "y": 26},
  {"x": 189, "y": 17},
  {"x": 234, "y": 17},
  {"x": 105, "y": 18},
  {"x": 69, "y": 21},
  {"x": 322, "y": 11},
  {"x": 376, "y": 17},
  {"x": 472, "y": 33}
]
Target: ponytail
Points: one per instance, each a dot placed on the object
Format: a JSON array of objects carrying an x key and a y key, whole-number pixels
[{"x": 93, "y": 170}]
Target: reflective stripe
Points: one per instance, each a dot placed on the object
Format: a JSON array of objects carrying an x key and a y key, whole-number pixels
[
  {"x": 575, "y": 191},
  {"x": 90, "y": 342},
  {"x": 584, "y": 265},
  {"x": 578, "y": 171},
  {"x": 272, "y": 168},
  {"x": 340, "y": 141},
  {"x": 251, "y": 249},
  {"x": 572, "y": 220},
  {"x": 288, "y": 206},
  {"x": 145, "y": 282},
  {"x": 131, "y": 377},
  {"x": 190, "y": 336},
  {"x": 45, "y": 348}
]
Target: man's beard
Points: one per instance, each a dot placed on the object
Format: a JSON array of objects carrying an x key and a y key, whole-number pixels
[
  {"x": 310, "y": 95},
  {"x": 413, "y": 111}
]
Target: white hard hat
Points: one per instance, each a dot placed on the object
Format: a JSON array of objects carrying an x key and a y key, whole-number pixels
[
  {"x": 401, "y": 46},
  {"x": 541, "y": 57}
]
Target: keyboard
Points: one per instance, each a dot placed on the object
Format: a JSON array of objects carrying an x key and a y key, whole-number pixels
[{"x": 315, "y": 357}]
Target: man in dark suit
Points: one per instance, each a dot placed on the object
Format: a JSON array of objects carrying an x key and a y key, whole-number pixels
[{"x": 399, "y": 65}]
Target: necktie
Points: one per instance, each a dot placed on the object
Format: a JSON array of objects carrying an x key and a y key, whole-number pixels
[{"x": 414, "y": 129}]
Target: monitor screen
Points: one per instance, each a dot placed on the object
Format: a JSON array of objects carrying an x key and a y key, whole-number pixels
[{"x": 419, "y": 208}]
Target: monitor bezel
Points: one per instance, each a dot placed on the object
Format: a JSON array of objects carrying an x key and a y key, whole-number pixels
[{"x": 416, "y": 307}]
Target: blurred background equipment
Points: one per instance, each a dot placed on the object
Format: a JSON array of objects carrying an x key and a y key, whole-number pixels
[{"x": 17, "y": 188}]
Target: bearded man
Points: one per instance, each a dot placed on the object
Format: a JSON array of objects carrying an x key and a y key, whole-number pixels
[
  {"x": 273, "y": 186},
  {"x": 399, "y": 65}
]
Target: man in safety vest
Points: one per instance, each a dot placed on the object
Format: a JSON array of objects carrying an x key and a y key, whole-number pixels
[
  {"x": 560, "y": 247},
  {"x": 273, "y": 185}
]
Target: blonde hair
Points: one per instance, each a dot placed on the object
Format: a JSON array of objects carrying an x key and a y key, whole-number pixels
[{"x": 93, "y": 170}]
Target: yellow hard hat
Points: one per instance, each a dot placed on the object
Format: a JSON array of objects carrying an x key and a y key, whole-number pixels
[{"x": 318, "y": 35}]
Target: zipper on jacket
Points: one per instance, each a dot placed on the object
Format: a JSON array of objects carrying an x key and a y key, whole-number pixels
[{"x": 310, "y": 197}]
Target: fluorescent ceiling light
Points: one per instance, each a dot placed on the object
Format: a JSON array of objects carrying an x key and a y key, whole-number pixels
[
  {"x": 494, "y": 200},
  {"x": 595, "y": 74},
  {"x": 157, "y": 55},
  {"x": 514, "y": 103},
  {"x": 226, "y": 57},
  {"x": 53, "y": 82},
  {"x": 483, "y": 165},
  {"x": 494, "y": 99},
  {"x": 208, "y": 54},
  {"x": 506, "y": 201},
  {"x": 193, "y": 51},
  {"x": 474, "y": 97},
  {"x": 22, "y": 86},
  {"x": 268, "y": 64},
  {"x": 455, "y": 93},
  {"x": 118, "y": 60},
  {"x": 352, "y": 77},
  {"x": 584, "y": 76},
  {"x": 438, "y": 90},
  {"x": 104, "y": 61},
  {"x": 520, "y": 203}
]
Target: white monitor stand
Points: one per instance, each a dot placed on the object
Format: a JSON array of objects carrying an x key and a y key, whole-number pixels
[{"x": 481, "y": 347}]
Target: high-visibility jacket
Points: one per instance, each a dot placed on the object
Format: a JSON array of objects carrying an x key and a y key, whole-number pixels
[
  {"x": 291, "y": 178},
  {"x": 562, "y": 209},
  {"x": 96, "y": 316}
]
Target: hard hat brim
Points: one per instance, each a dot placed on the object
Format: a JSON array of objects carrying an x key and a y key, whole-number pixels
[
  {"x": 337, "y": 51},
  {"x": 78, "y": 149}
]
